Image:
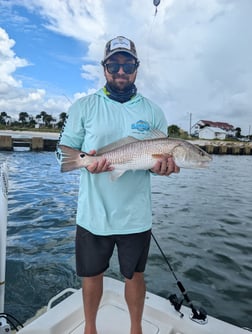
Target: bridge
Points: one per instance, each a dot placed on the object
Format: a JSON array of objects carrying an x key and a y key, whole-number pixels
[{"x": 28, "y": 141}]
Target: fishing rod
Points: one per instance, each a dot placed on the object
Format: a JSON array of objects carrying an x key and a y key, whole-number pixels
[
  {"x": 198, "y": 315},
  {"x": 3, "y": 229},
  {"x": 4, "y": 326}
]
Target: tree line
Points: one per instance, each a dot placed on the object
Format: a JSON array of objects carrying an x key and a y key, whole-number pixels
[
  {"x": 25, "y": 120},
  {"x": 44, "y": 120},
  {"x": 47, "y": 121}
]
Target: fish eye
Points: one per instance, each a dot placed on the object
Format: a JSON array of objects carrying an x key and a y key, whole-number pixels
[{"x": 82, "y": 155}]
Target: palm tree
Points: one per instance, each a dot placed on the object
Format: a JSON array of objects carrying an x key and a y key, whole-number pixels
[
  {"x": 23, "y": 116},
  {"x": 238, "y": 132},
  {"x": 3, "y": 116},
  {"x": 48, "y": 119},
  {"x": 62, "y": 119}
]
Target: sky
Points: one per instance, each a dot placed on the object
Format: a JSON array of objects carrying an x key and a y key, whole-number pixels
[{"x": 195, "y": 55}]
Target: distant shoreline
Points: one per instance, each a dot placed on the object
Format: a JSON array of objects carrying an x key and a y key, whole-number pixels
[{"x": 55, "y": 136}]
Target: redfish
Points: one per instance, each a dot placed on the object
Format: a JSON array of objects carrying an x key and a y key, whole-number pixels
[{"x": 133, "y": 154}]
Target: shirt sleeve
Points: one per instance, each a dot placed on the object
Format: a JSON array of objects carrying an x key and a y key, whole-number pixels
[{"x": 73, "y": 132}]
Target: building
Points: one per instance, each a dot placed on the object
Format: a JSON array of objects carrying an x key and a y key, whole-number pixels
[
  {"x": 210, "y": 132},
  {"x": 213, "y": 130}
]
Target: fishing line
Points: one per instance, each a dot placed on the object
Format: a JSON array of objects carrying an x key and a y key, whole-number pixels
[
  {"x": 198, "y": 314},
  {"x": 165, "y": 258},
  {"x": 154, "y": 85},
  {"x": 150, "y": 33}
]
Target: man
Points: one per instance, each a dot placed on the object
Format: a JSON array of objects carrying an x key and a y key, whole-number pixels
[{"x": 114, "y": 213}]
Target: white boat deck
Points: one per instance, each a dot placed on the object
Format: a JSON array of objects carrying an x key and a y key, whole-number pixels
[{"x": 113, "y": 318}]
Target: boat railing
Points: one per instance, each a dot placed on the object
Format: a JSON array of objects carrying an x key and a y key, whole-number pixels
[{"x": 59, "y": 297}]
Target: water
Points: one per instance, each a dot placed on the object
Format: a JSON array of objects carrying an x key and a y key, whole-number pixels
[{"x": 201, "y": 219}]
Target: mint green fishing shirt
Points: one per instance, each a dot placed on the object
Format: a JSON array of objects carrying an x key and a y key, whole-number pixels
[{"x": 107, "y": 207}]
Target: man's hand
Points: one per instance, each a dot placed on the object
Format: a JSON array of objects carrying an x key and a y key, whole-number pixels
[
  {"x": 165, "y": 166},
  {"x": 99, "y": 166}
]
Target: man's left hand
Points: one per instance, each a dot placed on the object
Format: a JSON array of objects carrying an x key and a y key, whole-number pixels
[{"x": 165, "y": 166}]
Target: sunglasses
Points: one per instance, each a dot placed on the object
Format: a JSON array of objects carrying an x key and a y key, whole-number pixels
[{"x": 128, "y": 68}]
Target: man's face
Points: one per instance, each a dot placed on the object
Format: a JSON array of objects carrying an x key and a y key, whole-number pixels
[{"x": 120, "y": 80}]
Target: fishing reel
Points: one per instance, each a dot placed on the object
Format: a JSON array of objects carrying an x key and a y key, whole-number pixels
[
  {"x": 176, "y": 303},
  {"x": 8, "y": 322},
  {"x": 4, "y": 326},
  {"x": 198, "y": 315}
]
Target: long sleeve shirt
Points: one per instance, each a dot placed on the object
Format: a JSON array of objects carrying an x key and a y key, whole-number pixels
[{"x": 107, "y": 207}]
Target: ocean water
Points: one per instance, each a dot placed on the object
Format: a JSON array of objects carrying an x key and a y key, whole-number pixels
[{"x": 202, "y": 220}]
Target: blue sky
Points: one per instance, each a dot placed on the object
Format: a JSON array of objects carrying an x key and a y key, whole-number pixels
[
  {"x": 54, "y": 60},
  {"x": 196, "y": 56}
]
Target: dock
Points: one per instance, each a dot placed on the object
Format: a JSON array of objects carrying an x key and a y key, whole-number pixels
[
  {"x": 47, "y": 141},
  {"x": 28, "y": 141},
  {"x": 225, "y": 147}
]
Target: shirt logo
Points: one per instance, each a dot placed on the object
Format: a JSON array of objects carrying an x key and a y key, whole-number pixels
[{"x": 140, "y": 126}]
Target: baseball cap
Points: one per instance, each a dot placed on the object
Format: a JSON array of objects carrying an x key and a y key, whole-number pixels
[{"x": 119, "y": 44}]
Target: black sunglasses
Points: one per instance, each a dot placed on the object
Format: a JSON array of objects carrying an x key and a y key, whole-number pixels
[{"x": 128, "y": 68}]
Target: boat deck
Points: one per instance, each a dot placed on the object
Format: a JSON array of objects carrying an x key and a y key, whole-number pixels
[{"x": 113, "y": 318}]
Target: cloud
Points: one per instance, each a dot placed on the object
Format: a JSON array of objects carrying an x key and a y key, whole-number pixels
[
  {"x": 78, "y": 19},
  {"x": 195, "y": 55},
  {"x": 14, "y": 98},
  {"x": 9, "y": 62}
]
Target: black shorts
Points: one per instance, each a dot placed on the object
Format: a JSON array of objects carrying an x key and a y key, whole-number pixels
[{"x": 93, "y": 252}]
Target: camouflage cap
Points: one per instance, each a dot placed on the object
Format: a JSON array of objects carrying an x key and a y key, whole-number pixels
[{"x": 119, "y": 44}]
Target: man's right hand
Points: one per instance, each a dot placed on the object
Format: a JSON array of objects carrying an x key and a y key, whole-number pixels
[{"x": 99, "y": 166}]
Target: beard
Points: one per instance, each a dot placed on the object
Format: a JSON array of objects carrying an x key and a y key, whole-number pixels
[{"x": 120, "y": 82}]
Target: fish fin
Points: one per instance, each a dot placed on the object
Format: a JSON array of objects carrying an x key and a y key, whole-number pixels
[
  {"x": 70, "y": 158},
  {"x": 116, "y": 173},
  {"x": 117, "y": 144},
  {"x": 161, "y": 156},
  {"x": 155, "y": 133}
]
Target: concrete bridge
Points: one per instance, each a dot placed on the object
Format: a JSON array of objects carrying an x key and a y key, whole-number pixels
[{"x": 28, "y": 140}]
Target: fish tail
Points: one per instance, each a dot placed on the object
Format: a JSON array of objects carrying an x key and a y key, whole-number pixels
[{"x": 71, "y": 158}]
